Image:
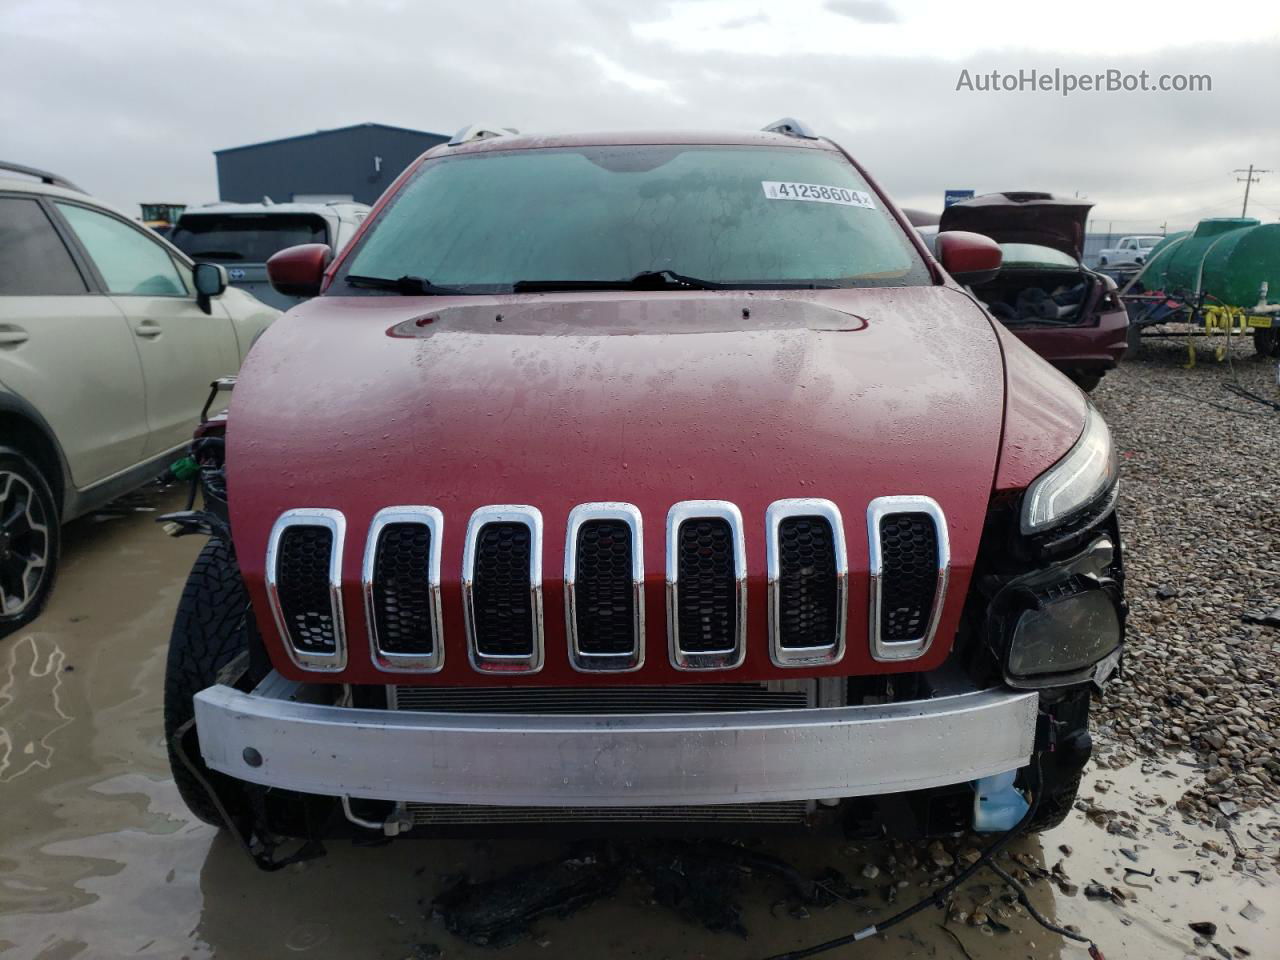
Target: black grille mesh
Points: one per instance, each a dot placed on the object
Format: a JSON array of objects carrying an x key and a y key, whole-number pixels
[
  {"x": 302, "y": 584},
  {"x": 604, "y": 596},
  {"x": 501, "y": 602},
  {"x": 807, "y": 598},
  {"x": 707, "y": 612},
  {"x": 909, "y": 575},
  {"x": 401, "y": 589}
]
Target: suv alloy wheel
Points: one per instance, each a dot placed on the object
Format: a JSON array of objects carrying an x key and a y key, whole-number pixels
[{"x": 29, "y": 540}]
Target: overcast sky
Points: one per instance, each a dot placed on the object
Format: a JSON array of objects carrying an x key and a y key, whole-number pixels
[{"x": 129, "y": 98}]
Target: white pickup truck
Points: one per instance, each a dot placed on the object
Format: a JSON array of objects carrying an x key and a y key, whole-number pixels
[{"x": 1128, "y": 250}]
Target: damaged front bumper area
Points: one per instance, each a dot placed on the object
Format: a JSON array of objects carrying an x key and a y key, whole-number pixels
[{"x": 274, "y": 737}]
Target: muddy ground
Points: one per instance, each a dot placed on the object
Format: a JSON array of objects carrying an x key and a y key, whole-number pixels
[{"x": 98, "y": 858}]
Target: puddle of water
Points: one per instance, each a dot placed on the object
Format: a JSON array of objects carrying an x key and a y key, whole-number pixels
[{"x": 98, "y": 858}]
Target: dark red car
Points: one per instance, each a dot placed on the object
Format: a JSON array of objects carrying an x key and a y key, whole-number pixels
[
  {"x": 643, "y": 479},
  {"x": 1067, "y": 313}
]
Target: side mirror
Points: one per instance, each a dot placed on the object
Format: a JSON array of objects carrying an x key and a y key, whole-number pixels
[
  {"x": 299, "y": 271},
  {"x": 210, "y": 280},
  {"x": 970, "y": 258}
]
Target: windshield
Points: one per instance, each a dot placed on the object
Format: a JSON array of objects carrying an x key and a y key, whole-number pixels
[
  {"x": 750, "y": 216},
  {"x": 1032, "y": 256},
  {"x": 245, "y": 237},
  {"x": 1148, "y": 242}
]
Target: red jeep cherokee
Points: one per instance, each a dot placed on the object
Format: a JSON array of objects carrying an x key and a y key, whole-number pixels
[{"x": 643, "y": 478}]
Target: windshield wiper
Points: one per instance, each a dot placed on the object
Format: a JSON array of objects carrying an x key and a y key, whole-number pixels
[
  {"x": 407, "y": 285},
  {"x": 645, "y": 280}
]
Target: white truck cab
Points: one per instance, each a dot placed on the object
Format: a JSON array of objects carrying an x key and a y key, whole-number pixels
[{"x": 1129, "y": 250}]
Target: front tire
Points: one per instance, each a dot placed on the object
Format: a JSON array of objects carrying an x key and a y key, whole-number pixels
[
  {"x": 30, "y": 540},
  {"x": 1062, "y": 767},
  {"x": 1055, "y": 805},
  {"x": 209, "y": 631},
  {"x": 1088, "y": 382},
  {"x": 1133, "y": 340}
]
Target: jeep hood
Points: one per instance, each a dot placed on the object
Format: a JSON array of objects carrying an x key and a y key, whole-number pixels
[
  {"x": 1022, "y": 217},
  {"x": 359, "y": 403}
]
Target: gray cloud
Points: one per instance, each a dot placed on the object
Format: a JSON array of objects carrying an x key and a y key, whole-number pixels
[
  {"x": 864, "y": 11},
  {"x": 737, "y": 23},
  {"x": 135, "y": 115}
]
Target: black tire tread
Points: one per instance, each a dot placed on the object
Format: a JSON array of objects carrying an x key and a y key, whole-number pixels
[
  {"x": 1088, "y": 382},
  {"x": 1055, "y": 807},
  {"x": 1266, "y": 342},
  {"x": 209, "y": 630}
]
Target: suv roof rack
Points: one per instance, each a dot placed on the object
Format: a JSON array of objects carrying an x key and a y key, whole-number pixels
[
  {"x": 791, "y": 127},
  {"x": 480, "y": 131},
  {"x": 44, "y": 176}
]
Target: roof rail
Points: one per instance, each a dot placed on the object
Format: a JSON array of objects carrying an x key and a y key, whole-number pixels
[
  {"x": 791, "y": 127},
  {"x": 44, "y": 176},
  {"x": 480, "y": 131}
]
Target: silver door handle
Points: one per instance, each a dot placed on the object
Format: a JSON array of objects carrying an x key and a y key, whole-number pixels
[
  {"x": 148, "y": 328},
  {"x": 12, "y": 336}
]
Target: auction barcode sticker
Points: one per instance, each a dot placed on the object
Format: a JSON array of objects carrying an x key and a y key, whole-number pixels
[{"x": 816, "y": 193}]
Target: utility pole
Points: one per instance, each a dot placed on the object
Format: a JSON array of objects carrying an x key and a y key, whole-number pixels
[{"x": 1248, "y": 179}]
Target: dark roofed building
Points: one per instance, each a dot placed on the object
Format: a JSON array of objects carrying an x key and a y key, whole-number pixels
[{"x": 349, "y": 163}]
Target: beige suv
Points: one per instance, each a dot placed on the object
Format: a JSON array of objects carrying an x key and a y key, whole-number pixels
[{"x": 109, "y": 338}]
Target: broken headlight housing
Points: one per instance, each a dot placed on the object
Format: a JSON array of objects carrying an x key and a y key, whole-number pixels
[
  {"x": 1077, "y": 484},
  {"x": 1061, "y": 624}
]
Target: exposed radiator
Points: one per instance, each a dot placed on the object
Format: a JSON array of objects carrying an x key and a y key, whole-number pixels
[
  {"x": 675, "y": 698},
  {"x": 431, "y": 814}
]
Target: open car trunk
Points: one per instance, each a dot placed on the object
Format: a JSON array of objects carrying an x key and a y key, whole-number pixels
[
  {"x": 1052, "y": 297},
  {"x": 1023, "y": 217}
]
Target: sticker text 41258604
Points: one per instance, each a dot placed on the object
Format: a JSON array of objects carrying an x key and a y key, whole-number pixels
[{"x": 816, "y": 193}]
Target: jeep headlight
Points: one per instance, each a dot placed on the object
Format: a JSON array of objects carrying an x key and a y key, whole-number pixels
[
  {"x": 1064, "y": 629},
  {"x": 1051, "y": 626},
  {"x": 1087, "y": 472}
]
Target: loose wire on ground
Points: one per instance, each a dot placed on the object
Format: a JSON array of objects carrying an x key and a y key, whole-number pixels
[
  {"x": 938, "y": 897},
  {"x": 1040, "y": 918}
]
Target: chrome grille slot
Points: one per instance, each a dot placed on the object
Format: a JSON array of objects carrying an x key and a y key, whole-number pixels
[
  {"x": 706, "y": 611},
  {"x": 605, "y": 620},
  {"x": 909, "y": 548},
  {"x": 706, "y": 585},
  {"x": 502, "y": 606},
  {"x": 401, "y": 582},
  {"x": 304, "y": 581},
  {"x": 910, "y": 560},
  {"x": 303, "y": 566},
  {"x": 808, "y": 582},
  {"x": 604, "y": 587},
  {"x": 502, "y": 589}
]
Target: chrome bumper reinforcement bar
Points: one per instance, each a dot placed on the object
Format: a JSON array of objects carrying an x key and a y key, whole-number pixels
[{"x": 271, "y": 737}]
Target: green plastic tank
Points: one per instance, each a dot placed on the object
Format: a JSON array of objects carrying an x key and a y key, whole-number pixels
[{"x": 1228, "y": 258}]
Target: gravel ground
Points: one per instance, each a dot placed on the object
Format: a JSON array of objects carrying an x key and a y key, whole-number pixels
[{"x": 1200, "y": 513}]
